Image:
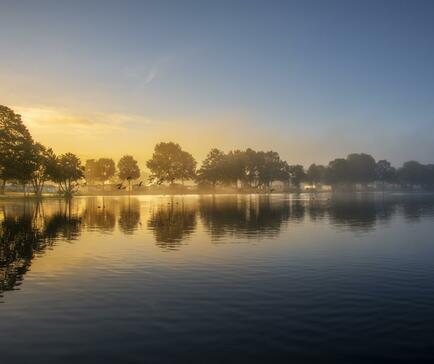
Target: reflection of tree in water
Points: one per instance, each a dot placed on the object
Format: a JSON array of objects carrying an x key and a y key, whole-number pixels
[
  {"x": 250, "y": 217},
  {"x": 415, "y": 207},
  {"x": 27, "y": 233},
  {"x": 297, "y": 210},
  {"x": 355, "y": 214},
  {"x": 363, "y": 213},
  {"x": 172, "y": 223},
  {"x": 99, "y": 214},
  {"x": 129, "y": 215}
]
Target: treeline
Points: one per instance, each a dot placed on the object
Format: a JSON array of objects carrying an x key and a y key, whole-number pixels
[{"x": 25, "y": 161}]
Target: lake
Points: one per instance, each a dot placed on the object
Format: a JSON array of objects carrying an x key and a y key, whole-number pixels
[{"x": 218, "y": 279}]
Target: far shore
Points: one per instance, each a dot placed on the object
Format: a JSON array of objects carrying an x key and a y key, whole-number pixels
[{"x": 31, "y": 196}]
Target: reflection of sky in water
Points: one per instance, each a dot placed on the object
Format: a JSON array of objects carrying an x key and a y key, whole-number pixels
[{"x": 213, "y": 266}]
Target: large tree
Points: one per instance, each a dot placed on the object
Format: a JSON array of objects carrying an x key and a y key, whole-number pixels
[
  {"x": 271, "y": 168},
  {"x": 43, "y": 164},
  {"x": 212, "y": 168},
  {"x": 15, "y": 147},
  {"x": 234, "y": 168},
  {"x": 361, "y": 168},
  {"x": 297, "y": 175},
  {"x": 384, "y": 172},
  {"x": 315, "y": 174},
  {"x": 67, "y": 171},
  {"x": 91, "y": 173},
  {"x": 128, "y": 169},
  {"x": 170, "y": 163},
  {"x": 105, "y": 169},
  {"x": 337, "y": 172},
  {"x": 413, "y": 173}
]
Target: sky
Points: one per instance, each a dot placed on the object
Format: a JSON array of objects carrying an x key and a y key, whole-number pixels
[{"x": 312, "y": 80}]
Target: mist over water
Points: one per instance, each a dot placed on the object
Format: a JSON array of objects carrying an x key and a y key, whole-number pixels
[{"x": 340, "y": 278}]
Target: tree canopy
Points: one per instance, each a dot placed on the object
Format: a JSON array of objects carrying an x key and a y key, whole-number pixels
[
  {"x": 170, "y": 163},
  {"x": 67, "y": 171},
  {"x": 15, "y": 147},
  {"x": 128, "y": 168}
]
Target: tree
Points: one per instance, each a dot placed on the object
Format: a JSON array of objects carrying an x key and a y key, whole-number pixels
[
  {"x": 384, "y": 172},
  {"x": 42, "y": 164},
  {"x": 297, "y": 175},
  {"x": 128, "y": 169},
  {"x": 169, "y": 163},
  {"x": 361, "y": 168},
  {"x": 105, "y": 169},
  {"x": 234, "y": 167},
  {"x": 188, "y": 167},
  {"x": 211, "y": 170},
  {"x": 25, "y": 161},
  {"x": 271, "y": 168},
  {"x": 413, "y": 173},
  {"x": 15, "y": 147},
  {"x": 67, "y": 171},
  {"x": 337, "y": 172},
  {"x": 315, "y": 174},
  {"x": 91, "y": 173}
]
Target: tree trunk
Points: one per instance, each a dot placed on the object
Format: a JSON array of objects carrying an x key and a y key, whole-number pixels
[{"x": 2, "y": 186}]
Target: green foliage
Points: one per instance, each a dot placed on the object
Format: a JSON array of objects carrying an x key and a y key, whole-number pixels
[{"x": 170, "y": 163}]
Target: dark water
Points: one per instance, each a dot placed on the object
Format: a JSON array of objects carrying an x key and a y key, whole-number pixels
[{"x": 224, "y": 279}]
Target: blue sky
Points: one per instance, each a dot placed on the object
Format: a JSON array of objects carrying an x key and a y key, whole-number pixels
[{"x": 313, "y": 80}]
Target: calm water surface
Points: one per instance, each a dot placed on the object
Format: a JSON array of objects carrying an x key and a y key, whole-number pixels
[{"x": 218, "y": 279}]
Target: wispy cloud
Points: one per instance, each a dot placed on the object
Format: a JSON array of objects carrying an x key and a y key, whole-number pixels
[
  {"x": 145, "y": 74},
  {"x": 55, "y": 121},
  {"x": 44, "y": 116}
]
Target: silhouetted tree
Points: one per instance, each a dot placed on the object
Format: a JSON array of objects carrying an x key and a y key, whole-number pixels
[
  {"x": 413, "y": 173},
  {"x": 170, "y": 163},
  {"x": 15, "y": 147},
  {"x": 105, "y": 169},
  {"x": 337, "y": 172},
  {"x": 384, "y": 172},
  {"x": 212, "y": 168},
  {"x": 128, "y": 169},
  {"x": 315, "y": 174},
  {"x": 361, "y": 168},
  {"x": 91, "y": 173},
  {"x": 273, "y": 169},
  {"x": 297, "y": 175},
  {"x": 67, "y": 171},
  {"x": 43, "y": 164},
  {"x": 234, "y": 168}
]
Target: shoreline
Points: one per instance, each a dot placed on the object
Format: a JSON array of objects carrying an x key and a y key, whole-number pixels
[{"x": 17, "y": 196}]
